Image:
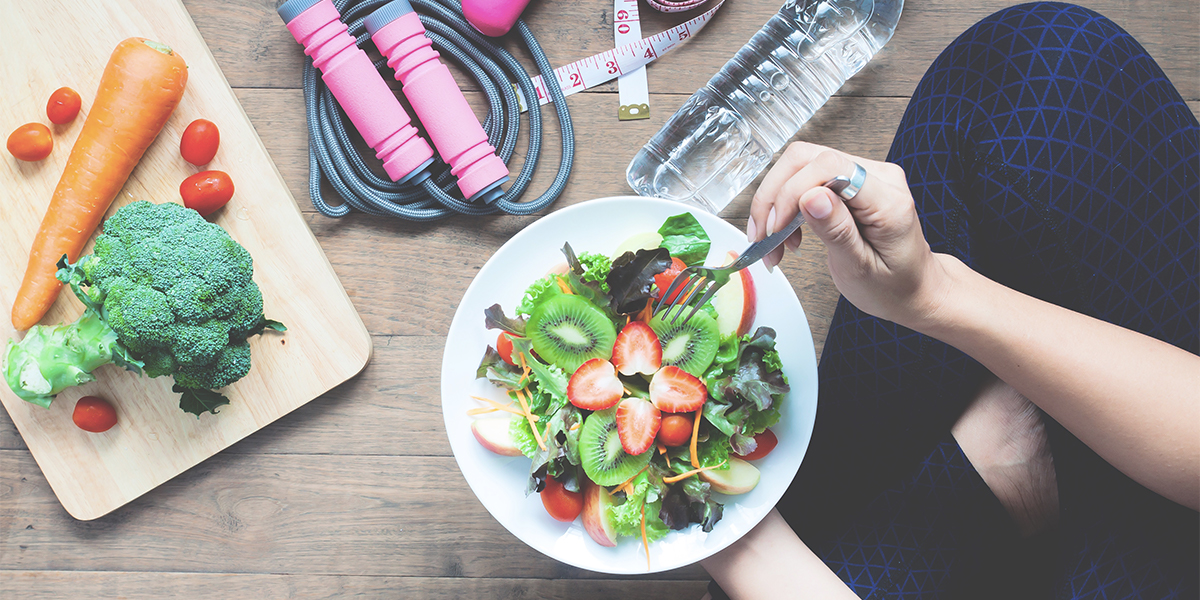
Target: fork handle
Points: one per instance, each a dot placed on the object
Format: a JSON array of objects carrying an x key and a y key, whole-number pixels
[{"x": 754, "y": 252}]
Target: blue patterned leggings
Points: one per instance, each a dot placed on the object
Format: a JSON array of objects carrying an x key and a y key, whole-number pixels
[{"x": 1048, "y": 151}]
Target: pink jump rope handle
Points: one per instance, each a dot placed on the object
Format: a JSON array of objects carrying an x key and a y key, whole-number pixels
[
  {"x": 437, "y": 100},
  {"x": 493, "y": 17},
  {"x": 359, "y": 88}
]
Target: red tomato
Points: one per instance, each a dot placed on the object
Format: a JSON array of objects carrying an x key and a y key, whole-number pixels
[
  {"x": 94, "y": 414},
  {"x": 31, "y": 142},
  {"x": 663, "y": 280},
  {"x": 766, "y": 443},
  {"x": 206, "y": 191},
  {"x": 561, "y": 504},
  {"x": 675, "y": 429},
  {"x": 504, "y": 346},
  {"x": 63, "y": 106},
  {"x": 199, "y": 142}
]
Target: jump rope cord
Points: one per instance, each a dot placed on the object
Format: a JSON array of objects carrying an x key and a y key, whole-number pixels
[{"x": 332, "y": 154}]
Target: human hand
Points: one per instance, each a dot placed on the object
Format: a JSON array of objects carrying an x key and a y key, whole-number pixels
[{"x": 878, "y": 255}]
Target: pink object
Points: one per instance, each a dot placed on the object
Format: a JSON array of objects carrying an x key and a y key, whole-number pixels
[
  {"x": 358, "y": 87},
  {"x": 438, "y": 102},
  {"x": 493, "y": 17}
]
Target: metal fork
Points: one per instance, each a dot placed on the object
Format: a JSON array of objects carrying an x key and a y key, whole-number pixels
[{"x": 703, "y": 282}]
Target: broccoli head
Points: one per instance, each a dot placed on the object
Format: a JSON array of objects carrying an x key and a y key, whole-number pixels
[{"x": 166, "y": 292}]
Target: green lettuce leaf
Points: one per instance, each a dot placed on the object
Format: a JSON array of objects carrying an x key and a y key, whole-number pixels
[
  {"x": 537, "y": 293},
  {"x": 596, "y": 269},
  {"x": 494, "y": 318},
  {"x": 647, "y": 490},
  {"x": 685, "y": 238},
  {"x": 522, "y": 436},
  {"x": 745, "y": 389},
  {"x": 499, "y": 372}
]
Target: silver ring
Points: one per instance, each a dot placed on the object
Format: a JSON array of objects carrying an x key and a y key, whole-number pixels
[{"x": 848, "y": 187}]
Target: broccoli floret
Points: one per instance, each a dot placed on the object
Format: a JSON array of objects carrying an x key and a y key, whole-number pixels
[{"x": 166, "y": 291}]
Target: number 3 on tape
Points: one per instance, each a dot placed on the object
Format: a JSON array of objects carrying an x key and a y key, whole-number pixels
[{"x": 620, "y": 61}]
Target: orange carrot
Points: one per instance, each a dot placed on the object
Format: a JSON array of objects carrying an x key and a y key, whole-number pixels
[
  {"x": 140, "y": 87},
  {"x": 682, "y": 476},
  {"x": 695, "y": 437}
]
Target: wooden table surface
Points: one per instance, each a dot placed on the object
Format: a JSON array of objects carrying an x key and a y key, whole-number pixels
[{"x": 357, "y": 492}]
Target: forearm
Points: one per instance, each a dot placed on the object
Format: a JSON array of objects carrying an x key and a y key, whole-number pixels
[
  {"x": 1131, "y": 398},
  {"x": 771, "y": 562}
]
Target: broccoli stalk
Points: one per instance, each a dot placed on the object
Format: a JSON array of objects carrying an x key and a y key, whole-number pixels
[
  {"x": 167, "y": 293},
  {"x": 52, "y": 359}
]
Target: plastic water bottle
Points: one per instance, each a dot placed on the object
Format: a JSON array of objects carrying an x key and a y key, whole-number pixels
[{"x": 726, "y": 133}]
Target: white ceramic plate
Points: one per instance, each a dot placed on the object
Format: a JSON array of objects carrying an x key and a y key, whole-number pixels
[{"x": 499, "y": 481}]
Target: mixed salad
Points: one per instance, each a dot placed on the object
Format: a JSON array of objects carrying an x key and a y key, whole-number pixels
[{"x": 633, "y": 420}]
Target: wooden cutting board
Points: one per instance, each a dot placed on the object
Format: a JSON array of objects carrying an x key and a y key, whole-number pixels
[{"x": 54, "y": 43}]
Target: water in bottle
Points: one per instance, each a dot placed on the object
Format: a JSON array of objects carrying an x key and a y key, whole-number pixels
[{"x": 726, "y": 133}]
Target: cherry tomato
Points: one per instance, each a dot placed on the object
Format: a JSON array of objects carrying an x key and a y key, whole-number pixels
[
  {"x": 663, "y": 280},
  {"x": 675, "y": 429},
  {"x": 504, "y": 346},
  {"x": 206, "y": 191},
  {"x": 199, "y": 142},
  {"x": 94, "y": 414},
  {"x": 63, "y": 106},
  {"x": 766, "y": 443},
  {"x": 561, "y": 504},
  {"x": 31, "y": 141}
]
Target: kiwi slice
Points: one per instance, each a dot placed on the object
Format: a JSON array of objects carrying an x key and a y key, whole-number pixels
[
  {"x": 604, "y": 460},
  {"x": 567, "y": 331},
  {"x": 691, "y": 346}
]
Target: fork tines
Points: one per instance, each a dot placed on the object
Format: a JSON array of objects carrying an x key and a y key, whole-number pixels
[{"x": 688, "y": 285}]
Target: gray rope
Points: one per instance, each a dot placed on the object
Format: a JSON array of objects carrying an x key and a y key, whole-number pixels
[{"x": 333, "y": 157}]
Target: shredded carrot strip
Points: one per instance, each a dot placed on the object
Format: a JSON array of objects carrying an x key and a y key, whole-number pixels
[
  {"x": 663, "y": 451},
  {"x": 497, "y": 406},
  {"x": 646, "y": 313},
  {"x": 695, "y": 434},
  {"x": 573, "y": 427},
  {"x": 482, "y": 410},
  {"x": 645, "y": 540},
  {"x": 622, "y": 487},
  {"x": 524, "y": 368},
  {"x": 562, "y": 285},
  {"x": 532, "y": 423},
  {"x": 683, "y": 476}
]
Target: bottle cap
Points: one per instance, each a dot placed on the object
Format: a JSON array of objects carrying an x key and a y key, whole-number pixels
[
  {"x": 386, "y": 14},
  {"x": 292, "y": 8}
]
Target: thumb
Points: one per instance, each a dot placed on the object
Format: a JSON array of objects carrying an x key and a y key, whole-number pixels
[{"x": 831, "y": 220}]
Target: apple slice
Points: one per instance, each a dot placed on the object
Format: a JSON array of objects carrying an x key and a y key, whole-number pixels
[
  {"x": 736, "y": 302},
  {"x": 646, "y": 240},
  {"x": 494, "y": 435},
  {"x": 596, "y": 518},
  {"x": 739, "y": 478}
]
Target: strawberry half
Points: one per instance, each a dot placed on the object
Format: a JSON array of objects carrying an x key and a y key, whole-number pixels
[
  {"x": 674, "y": 390},
  {"x": 637, "y": 350},
  {"x": 637, "y": 424},
  {"x": 594, "y": 385}
]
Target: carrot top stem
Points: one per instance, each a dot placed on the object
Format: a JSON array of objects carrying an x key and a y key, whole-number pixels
[{"x": 165, "y": 49}]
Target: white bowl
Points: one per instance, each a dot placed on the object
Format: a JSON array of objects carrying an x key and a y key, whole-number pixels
[{"x": 499, "y": 481}]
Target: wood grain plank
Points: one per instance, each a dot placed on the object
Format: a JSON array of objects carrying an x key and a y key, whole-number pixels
[
  {"x": 255, "y": 50},
  {"x": 49, "y": 585},
  {"x": 315, "y": 514}
]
